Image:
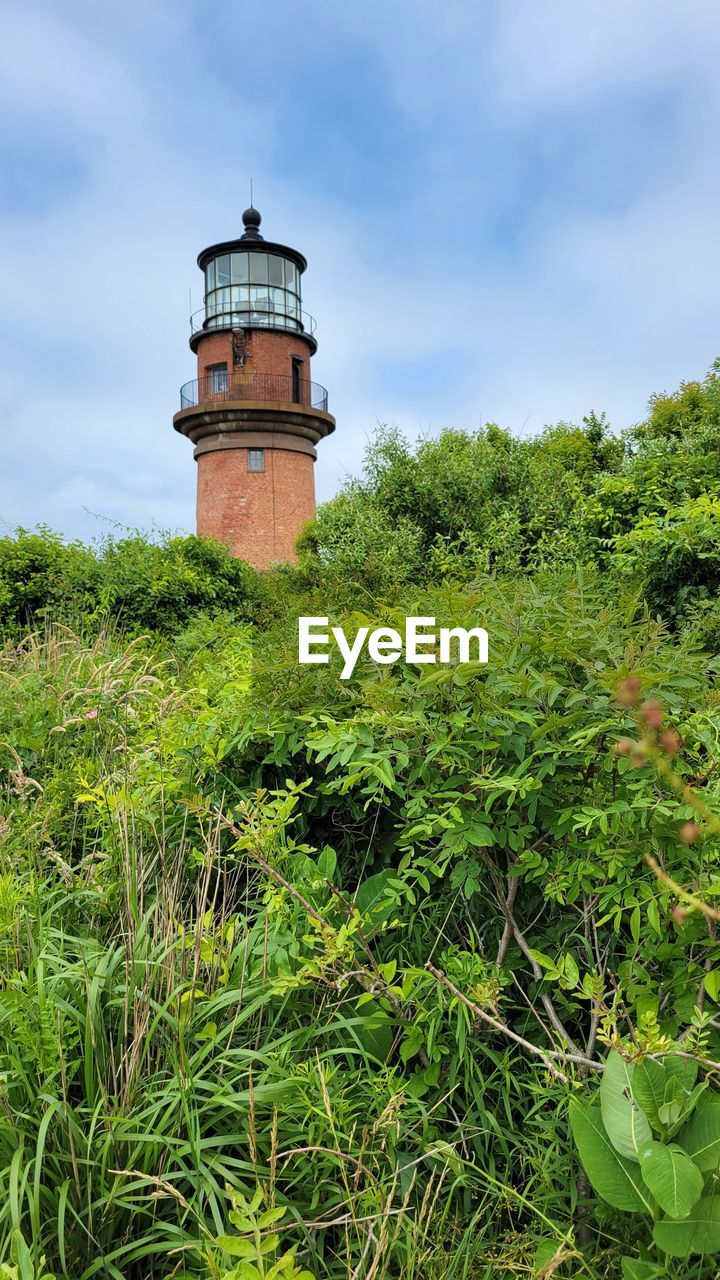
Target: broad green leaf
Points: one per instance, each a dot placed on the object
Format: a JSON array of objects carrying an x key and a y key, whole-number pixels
[
  {"x": 21, "y": 1254},
  {"x": 371, "y": 893},
  {"x": 544, "y": 961},
  {"x": 549, "y": 1255},
  {"x": 648, "y": 1084},
  {"x": 571, "y": 972},
  {"x": 638, "y": 1269},
  {"x": 625, "y": 1124},
  {"x": 711, "y": 983},
  {"x": 698, "y": 1233},
  {"x": 480, "y": 835},
  {"x": 245, "y": 1271},
  {"x": 236, "y": 1246},
  {"x": 327, "y": 862},
  {"x": 688, "y": 1105},
  {"x": 267, "y": 1218},
  {"x": 615, "y": 1179},
  {"x": 545, "y": 1251},
  {"x": 685, "y": 1069},
  {"x": 673, "y": 1101},
  {"x": 700, "y": 1137},
  {"x": 269, "y": 1244},
  {"x": 674, "y": 1180}
]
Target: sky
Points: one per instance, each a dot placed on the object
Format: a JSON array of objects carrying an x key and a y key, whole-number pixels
[{"x": 509, "y": 209}]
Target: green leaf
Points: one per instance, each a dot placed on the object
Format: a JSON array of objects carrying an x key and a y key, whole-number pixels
[
  {"x": 711, "y": 983},
  {"x": 548, "y": 1255},
  {"x": 21, "y": 1254},
  {"x": 544, "y": 962},
  {"x": 699, "y": 1233},
  {"x": 571, "y": 972},
  {"x": 673, "y": 1101},
  {"x": 648, "y": 1084},
  {"x": 615, "y": 1179},
  {"x": 638, "y": 1269},
  {"x": 545, "y": 1251},
  {"x": 673, "y": 1179},
  {"x": 269, "y": 1244},
  {"x": 700, "y": 1137},
  {"x": 687, "y": 1106},
  {"x": 371, "y": 894},
  {"x": 626, "y": 1125},
  {"x": 267, "y": 1218},
  {"x": 685, "y": 1069},
  {"x": 236, "y": 1246}
]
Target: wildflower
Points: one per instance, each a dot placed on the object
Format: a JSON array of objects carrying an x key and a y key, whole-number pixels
[
  {"x": 628, "y": 691},
  {"x": 689, "y": 832},
  {"x": 652, "y": 713},
  {"x": 671, "y": 741},
  {"x": 91, "y": 715}
]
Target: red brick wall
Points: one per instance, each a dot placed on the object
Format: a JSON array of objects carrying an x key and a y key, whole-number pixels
[
  {"x": 266, "y": 352},
  {"x": 217, "y": 348},
  {"x": 258, "y": 514},
  {"x": 273, "y": 352}
]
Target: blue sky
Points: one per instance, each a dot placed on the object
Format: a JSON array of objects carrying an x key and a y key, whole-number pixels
[{"x": 509, "y": 209}]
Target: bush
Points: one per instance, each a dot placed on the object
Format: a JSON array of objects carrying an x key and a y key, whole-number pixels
[{"x": 138, "y": 583}]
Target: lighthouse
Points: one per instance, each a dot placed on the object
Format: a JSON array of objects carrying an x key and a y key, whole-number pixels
[{"x": 253, "y": 412}]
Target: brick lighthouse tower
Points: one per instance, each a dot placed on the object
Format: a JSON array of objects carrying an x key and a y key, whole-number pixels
[{"x": 253, "y": 414}]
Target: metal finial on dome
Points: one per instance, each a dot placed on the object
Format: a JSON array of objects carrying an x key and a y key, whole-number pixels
[{"x": 251, "y": 221}]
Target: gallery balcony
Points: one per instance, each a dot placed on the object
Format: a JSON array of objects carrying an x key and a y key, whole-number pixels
[
  {"x": 253, "y": 410},
  {"x": 265, "y": 388}
]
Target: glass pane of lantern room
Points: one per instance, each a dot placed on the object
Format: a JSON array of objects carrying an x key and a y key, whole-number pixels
[
  {"x": 240, "y": 268},
  {"x": 258, "y": 297},
  {"x": 209, "y": 277},
  {"x": 275, "y": 268},
  {"x": 222, "y": 270},
  {"x": 258, "y": 268}
]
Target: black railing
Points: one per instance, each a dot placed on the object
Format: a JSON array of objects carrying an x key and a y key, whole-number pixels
[
  {"x": 255, "y": 317},
  {"x": 265, "y": 387}
]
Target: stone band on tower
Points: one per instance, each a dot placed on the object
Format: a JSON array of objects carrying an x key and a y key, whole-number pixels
[{"x": 253, "y": 413}]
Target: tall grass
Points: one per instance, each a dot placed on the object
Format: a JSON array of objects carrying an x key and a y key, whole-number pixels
[{"x": 153, "y": 1055}]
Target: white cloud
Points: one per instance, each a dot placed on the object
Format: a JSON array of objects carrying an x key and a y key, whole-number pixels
[{"x": 594, "y": 307}]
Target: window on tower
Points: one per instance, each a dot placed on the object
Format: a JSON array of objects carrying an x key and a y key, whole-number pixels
[
  {"x": 218, "y": 375},
  {"x": 256, "y": 459}
]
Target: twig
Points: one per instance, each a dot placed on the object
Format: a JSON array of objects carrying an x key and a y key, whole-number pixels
[
  {"x": 547, "y": 1055},
  {"x": 512, "y": 888},
  {"x": 549, "y": 1007},
  {"x": 683, "y": 894}
]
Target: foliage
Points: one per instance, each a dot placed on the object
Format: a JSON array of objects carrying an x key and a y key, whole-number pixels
[
  {"x": 311, "y": 978},
  {"x": 139, "y": 583},
  {"x": 464, "y": 503},
  {"x": 652, "y": 1145},
  {"x": 675, "y": 556}
]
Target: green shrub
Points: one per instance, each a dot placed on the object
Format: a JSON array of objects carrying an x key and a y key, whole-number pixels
[{"x": 135, "y": 582}]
